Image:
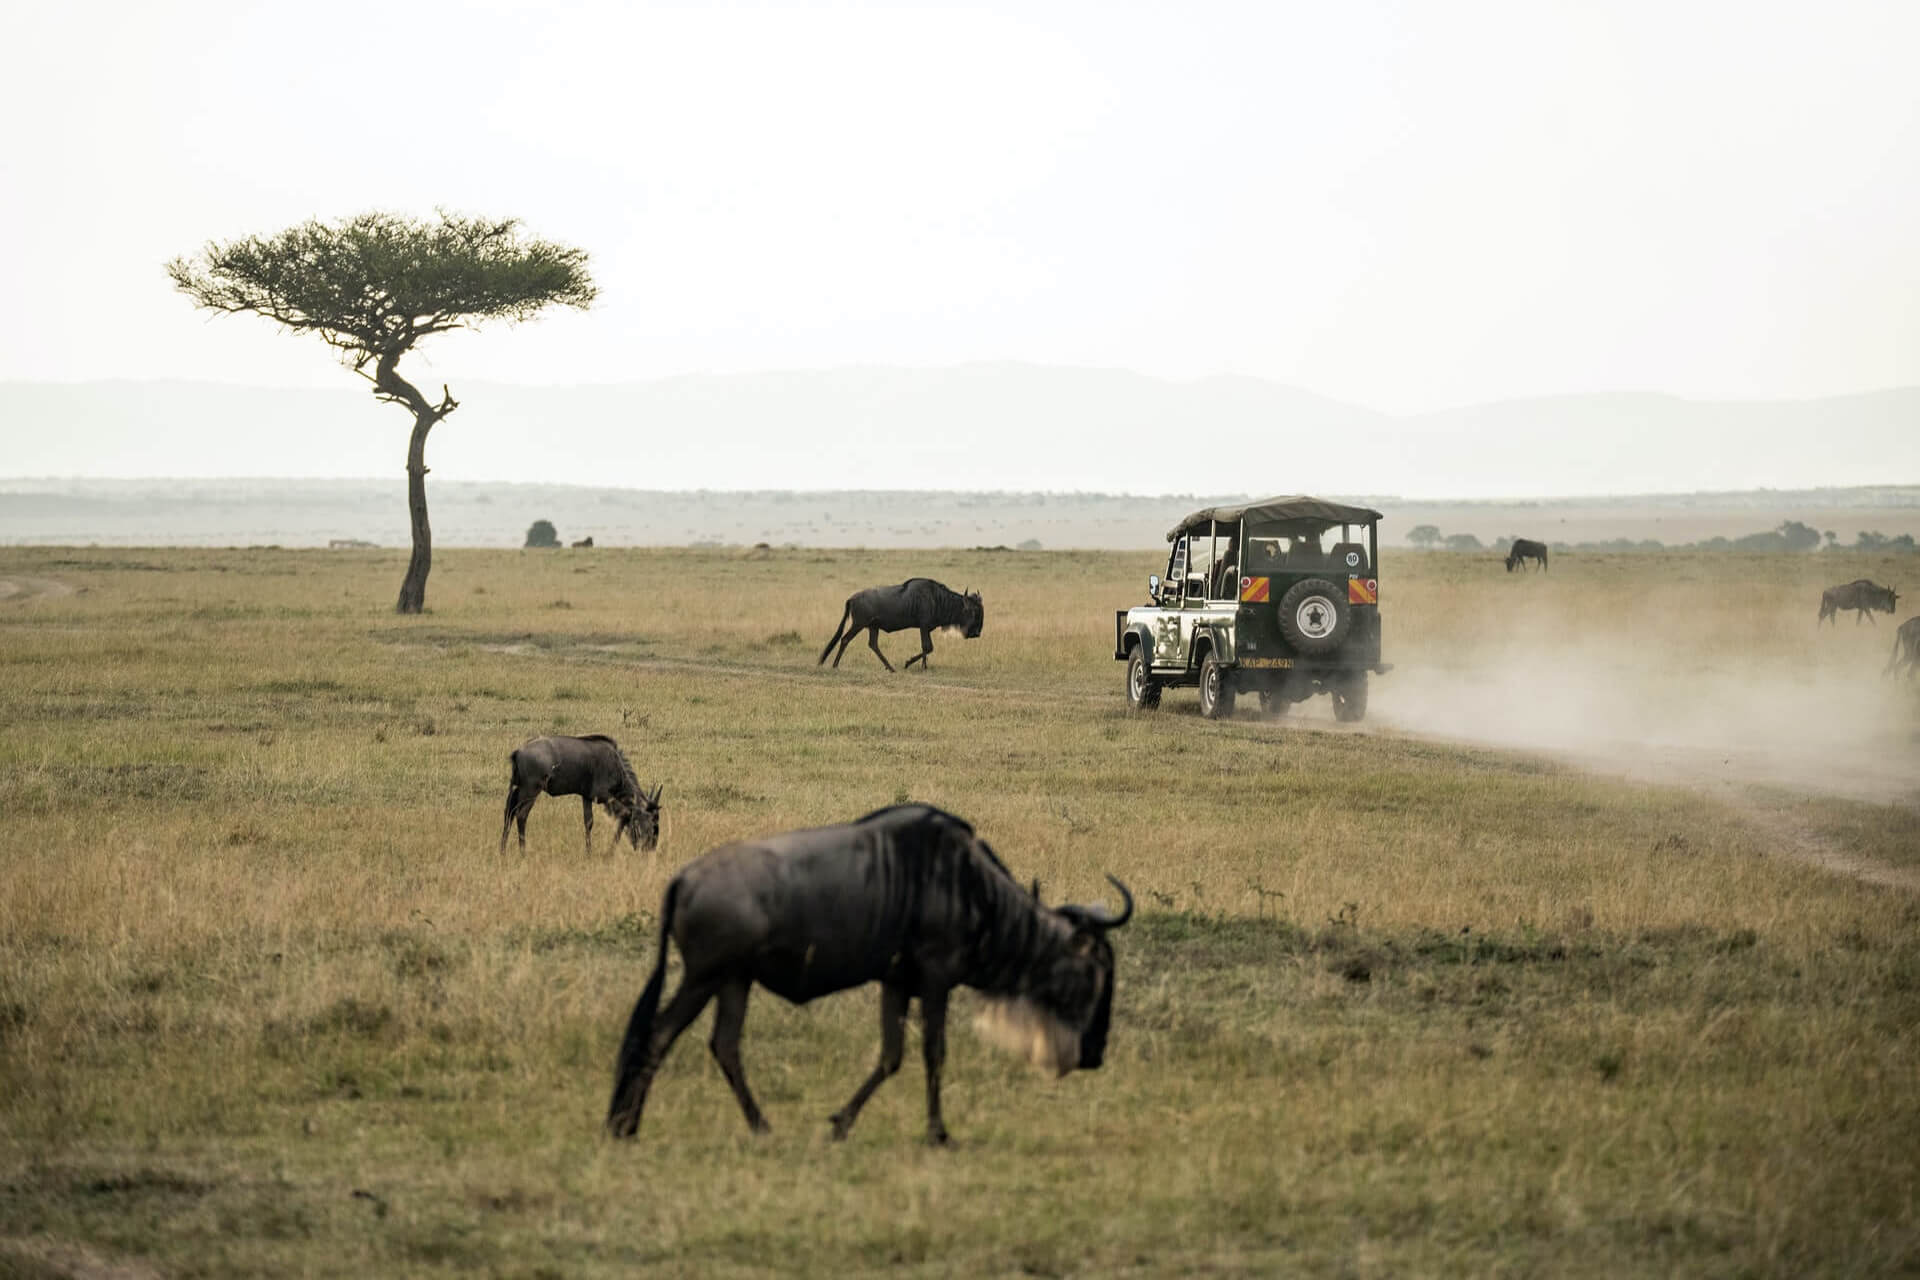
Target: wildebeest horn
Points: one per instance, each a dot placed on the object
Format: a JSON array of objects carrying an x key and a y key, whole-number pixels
[
  {"x": 1036, "y": 888},
  {"x": 1097, "y": 917}
]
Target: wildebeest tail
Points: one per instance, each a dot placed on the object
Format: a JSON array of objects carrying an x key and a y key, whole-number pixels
[
  {"x": 622, "y": 1113},
  {"x": 837, "y": 631}
]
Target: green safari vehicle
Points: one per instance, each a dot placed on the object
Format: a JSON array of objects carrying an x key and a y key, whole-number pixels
[{"x": 1279, "y": 598}]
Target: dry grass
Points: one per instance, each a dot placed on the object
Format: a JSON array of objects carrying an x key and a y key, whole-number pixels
[{"x": 270, "y": 1002}]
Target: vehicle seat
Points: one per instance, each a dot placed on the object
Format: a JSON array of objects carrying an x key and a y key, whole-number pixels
[{"x": 1226, "y": 581}]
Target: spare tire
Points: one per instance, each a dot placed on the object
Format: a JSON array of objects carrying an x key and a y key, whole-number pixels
[{"x": 1314, "y": 616}]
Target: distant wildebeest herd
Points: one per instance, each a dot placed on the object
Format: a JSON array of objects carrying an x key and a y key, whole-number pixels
[{"x": 1863, "y": 595}]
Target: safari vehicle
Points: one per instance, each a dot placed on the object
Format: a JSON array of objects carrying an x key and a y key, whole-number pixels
[{"x": 1279, "y": 598}]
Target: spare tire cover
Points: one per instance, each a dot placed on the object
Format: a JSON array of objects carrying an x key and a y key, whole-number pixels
[{"x": 1314, "y": 616}]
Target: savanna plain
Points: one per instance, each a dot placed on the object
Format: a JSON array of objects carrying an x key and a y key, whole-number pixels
[{"x": 1505, "y": 981}]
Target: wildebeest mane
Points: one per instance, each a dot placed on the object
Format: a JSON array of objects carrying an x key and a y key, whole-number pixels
[
  {"x": 1008, "y": 916},
  {"x": 626, "y": 767}
]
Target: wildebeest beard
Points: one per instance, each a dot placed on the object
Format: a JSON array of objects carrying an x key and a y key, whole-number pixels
[
  {"x": 1041, "y": 1025},
  {"x": 1023, "y": 1028}
]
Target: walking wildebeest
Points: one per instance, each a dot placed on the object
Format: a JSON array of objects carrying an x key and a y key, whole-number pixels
[
  {"x": 1526, "y": 549},
  {"x": 917, "y": 602},
  {"x": 595, "y": 769},
  {"x": 1863, "y": 595},
  {"x": 1906, "y": 648},
  {"x": 908, "y": 897}
]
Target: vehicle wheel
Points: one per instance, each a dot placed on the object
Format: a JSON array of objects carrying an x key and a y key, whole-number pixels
[
  {"x": 1314, "y": 616},
  {"x": 1216, "y": 692},
  {"x": 1350, "y": 699},
  {"x": 1143, "y": 694},
  {"x": 1272, "y": 705}
]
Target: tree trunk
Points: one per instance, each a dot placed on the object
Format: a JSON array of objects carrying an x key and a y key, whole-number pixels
[
  {"x": 389, "y": 385},
  {"x": 413, "y": 587}
]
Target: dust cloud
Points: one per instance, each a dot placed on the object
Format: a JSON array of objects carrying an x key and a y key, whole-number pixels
[{"x": 1672, "y": 705}]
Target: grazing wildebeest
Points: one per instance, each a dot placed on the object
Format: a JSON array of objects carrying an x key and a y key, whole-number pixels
[
  {"x": 591, "y": 767},
  {"x": 1906, "y": 648},
  {"x": 908, "y": 897},
  {"x": 1526, "y": 549},
  {"x": 1863, "y": 595},
  {"x": 917, "y": 602}
]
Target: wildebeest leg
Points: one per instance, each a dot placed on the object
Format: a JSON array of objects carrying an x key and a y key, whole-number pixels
[
  {"x": 630, "y": 1097},
  {"x": 843, "y": 645},
  {"x": 873, "y": 643},
  {"x": 586, "y": 812},
  {"x": 926, "y": 647},
  {"x": 513, "y": 798},
  {"x": 520, "y": 818},
  {"x": 728, "y": 1018},
  {"x": 893, "y": 1046},
  {"x": 933, "y": 1051}
]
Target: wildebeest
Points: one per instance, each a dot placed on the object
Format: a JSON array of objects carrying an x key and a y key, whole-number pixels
[
  {"x": 1526, "y": 549},
  {"x": 591, "y": 767},
  {"x": 1862, "y": 595},
  {"x": 917, "y": 602},
  {"x": 908, "y": 897},
  {"x": 1906, "y": 648},
  {"x": 585, "y": 542}
]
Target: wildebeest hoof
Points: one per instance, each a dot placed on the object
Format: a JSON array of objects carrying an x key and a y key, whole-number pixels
[
  {"x": 938, "y": 1138},
  {"x": 841, "y": 1126}
]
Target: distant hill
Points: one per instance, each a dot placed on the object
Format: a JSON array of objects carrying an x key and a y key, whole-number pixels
[
  {"x": 981, "y": 427},
  {"x": 162, "y": 512}
]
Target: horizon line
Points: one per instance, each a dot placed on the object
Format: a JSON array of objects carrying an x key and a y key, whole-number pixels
[
  {"x": 1517, "y": 398},
  {"x": 1118, "y": 495}
]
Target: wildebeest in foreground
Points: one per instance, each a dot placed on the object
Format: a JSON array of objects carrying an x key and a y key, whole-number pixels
[
  {"x": 908, "y": 897},
  {"x": 1906, "y": 648},
  {"x": 591, "y": 767},
  {"x": 1526, "y": 549},
  {"x": 1863, "y": 595},
  {"x": 917, "y": 602}
]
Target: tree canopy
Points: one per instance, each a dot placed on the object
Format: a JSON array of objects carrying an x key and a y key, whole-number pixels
[
  {"x": 376, "y": 283},
  {"x": 373, "y": 285}
]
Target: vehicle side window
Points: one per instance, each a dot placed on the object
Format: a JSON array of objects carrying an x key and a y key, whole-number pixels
[
  {"x": 1176, "y": 570},
  {"x": 1196, "y": 579},
  {"x": 1226, "y": 574}
]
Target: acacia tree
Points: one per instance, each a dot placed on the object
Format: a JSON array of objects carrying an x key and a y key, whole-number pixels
[{"x": 374, "y": 285}]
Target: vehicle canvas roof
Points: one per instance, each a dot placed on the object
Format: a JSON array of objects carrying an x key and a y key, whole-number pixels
[{"x": 1294, "y": 507}]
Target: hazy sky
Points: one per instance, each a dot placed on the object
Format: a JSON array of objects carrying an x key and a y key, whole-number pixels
[{"x": 1406, "y": 205}]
